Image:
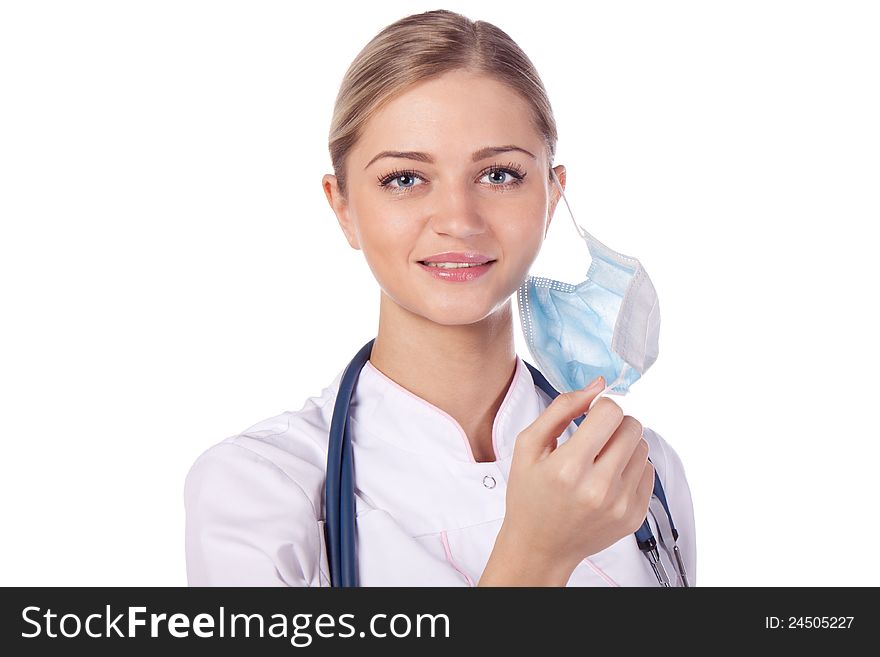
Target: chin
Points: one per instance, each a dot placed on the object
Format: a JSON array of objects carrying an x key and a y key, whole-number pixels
[
  {"x": 459, "y": 305},
  {"x": 459, "y": 314}
]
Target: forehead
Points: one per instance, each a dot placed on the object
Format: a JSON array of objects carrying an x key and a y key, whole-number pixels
[{"x": 450, "y": 116}]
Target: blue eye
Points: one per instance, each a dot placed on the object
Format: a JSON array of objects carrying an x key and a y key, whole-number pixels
[
  {"x": 511, "y": 176},
  {"x": 499, "y": 171},
  {"x": 399, "y": 180},
  {"x": 405, "y": 180}
]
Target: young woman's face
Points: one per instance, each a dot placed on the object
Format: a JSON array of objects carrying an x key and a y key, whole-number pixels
[{"x": 459, "y": 195}]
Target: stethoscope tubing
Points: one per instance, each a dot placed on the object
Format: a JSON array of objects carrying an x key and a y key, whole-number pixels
[{"x": 339, "y": 498}]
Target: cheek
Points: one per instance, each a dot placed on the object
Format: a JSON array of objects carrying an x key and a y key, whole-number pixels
[
  {"x": 524, "y": 234},
  {"x": 388, "y": 238}
]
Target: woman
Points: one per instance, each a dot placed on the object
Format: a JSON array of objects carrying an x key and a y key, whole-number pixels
[{"x": 442, "y": 143}]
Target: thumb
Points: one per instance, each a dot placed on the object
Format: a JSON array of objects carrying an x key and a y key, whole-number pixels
[{"x": 539, "y": 438}]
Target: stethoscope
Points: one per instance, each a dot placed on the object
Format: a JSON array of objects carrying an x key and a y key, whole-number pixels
[{"x": 339, "y": 526}]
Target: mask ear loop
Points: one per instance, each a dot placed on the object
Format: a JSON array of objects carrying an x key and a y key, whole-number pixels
[
  {"x": 619, "y": 379},
  {"x": 583, "y": 233}
]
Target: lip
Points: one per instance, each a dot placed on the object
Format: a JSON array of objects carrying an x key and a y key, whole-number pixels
[
  {"x": 458, "y": 256},
  {"x": 458, "y": 275}
]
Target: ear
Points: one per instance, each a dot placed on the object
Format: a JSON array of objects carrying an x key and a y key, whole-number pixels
[
  {"x": 555, "y": 194},
  {"x": 339, "y": 204}
]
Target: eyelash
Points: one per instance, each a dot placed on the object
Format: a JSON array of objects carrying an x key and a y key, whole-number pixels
[{"x": 511, "y": 168}]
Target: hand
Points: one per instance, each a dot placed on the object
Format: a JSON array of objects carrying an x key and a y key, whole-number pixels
[{"x": 565, "y": 503}]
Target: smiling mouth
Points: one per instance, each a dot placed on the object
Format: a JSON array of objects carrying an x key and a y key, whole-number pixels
[{"x": 454, "y": 265}]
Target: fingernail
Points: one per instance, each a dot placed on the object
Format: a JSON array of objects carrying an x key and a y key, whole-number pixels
[{"x": 598, "y": 382}]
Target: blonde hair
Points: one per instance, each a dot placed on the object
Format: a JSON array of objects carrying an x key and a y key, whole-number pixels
[{"x": 423, "y": 46}]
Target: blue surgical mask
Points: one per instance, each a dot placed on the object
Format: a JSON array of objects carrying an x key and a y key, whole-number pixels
[{"x": 609, "y": 324}]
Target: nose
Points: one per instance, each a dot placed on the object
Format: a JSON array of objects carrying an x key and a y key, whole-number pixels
[{"x": 455, "y": 211}]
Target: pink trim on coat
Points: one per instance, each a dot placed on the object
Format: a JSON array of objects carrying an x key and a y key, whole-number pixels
[{"x": 451, "y": 561}]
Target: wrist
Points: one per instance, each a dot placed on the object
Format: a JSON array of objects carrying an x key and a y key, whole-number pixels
[{"x": 514, "y": 563}]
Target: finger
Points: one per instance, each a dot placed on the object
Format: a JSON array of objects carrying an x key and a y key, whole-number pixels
[
  {"x": 601, "y": 394},
  {"x": 541, "y": 435},
  {"x": 596, "y": 430},
  {"x": 619, "y": 449},
  {"x": 638, "y": 491},
  {"x": 632, "y": 473},
  {"x": 645, "y": 489}
]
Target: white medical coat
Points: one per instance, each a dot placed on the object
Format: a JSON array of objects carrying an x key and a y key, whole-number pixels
[{"x": 427, "y": 512}]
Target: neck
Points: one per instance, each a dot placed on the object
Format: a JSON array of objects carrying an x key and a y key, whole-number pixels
[{"x": 464, "y": 370}]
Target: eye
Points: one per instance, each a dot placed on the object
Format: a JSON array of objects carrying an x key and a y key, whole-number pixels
[
  {"x": 501, "y": 178},
  {"x": 504, "y": 177},
  {"x": 499, "y": 172},
  {"x": 405, "y": 181}
]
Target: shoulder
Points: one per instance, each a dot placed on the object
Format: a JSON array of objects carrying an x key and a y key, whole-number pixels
[
  {"x": 666, "y": 460},
  {"x": 251, "y": 520},
  {"x": 671, "y": 471},
  {"x": 278, "y": 458},
  {"x": 254, "y": 503}
]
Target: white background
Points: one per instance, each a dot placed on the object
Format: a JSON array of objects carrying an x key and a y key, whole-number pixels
[{"x": 172, "y": 273}]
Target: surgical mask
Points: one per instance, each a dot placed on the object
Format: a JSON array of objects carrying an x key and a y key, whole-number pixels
[{"x": 607, "y": 325}]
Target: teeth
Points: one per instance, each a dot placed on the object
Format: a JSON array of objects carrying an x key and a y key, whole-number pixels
[{"x": 454, "y": 265}]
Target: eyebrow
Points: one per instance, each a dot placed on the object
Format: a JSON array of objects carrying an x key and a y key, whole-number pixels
[{"x": 425, "y": 157}]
